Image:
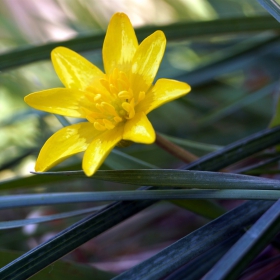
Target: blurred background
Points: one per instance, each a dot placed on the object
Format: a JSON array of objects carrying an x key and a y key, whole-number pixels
[{"x": 235, "y": 83}]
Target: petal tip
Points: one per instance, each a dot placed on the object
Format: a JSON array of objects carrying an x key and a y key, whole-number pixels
[{"x": 119, "y": 15}]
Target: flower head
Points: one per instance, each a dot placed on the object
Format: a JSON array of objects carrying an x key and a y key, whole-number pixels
[{"x": 114, "y": 103}]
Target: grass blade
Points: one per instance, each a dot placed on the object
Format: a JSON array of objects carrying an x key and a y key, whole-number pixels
[
  {"x": 12, "y": 201},
  {"x": 247, "y": 247},
  {"x": 178, "y": 178},
  {"x": 48, "y": 218}
]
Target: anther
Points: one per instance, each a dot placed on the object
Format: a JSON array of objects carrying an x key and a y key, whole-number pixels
[
  {"x": 124, "y": 94},
  {"x": 109, "y": 125},
  {"x": 117, "y": 119},
  {"x": 108, "y": 108},
  {"x": 99, "y": 126}
]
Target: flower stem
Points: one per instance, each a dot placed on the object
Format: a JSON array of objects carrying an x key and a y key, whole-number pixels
[{"x": 175, "y": 150}]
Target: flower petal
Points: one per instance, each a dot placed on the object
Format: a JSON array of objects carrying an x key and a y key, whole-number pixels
[
  {"x": 163, "y": 91},
  {"x": 99, "y": 149},
  {"x": 74, "y": 70},
  {"x": 139, "y": 130},
  {"x": 120, "y": 44},
  {"x": 146, "y": 62},
  {"x": 65, "y": 143},
  {"x": 62, "y": 101}
]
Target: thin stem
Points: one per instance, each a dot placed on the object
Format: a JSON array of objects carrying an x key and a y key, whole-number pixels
[{"x": 175, "y": 150}]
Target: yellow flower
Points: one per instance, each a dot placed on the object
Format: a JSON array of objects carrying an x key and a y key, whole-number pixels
[{"x": 115, "y": 103}]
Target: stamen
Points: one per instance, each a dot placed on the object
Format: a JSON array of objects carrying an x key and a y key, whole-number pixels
[
  {"x": 122, "y": 85},
  {"x": 117, "y": 119},
  {"x": 113, "y": 89},
  {"x": 110, "y": 109},
  {"x": 126, "y": 106},
  {"x": 96, "y": 115},
  {"x": 100, "y": 108},
  {"x": 124, "y": 94},
  {"x": 99, "y": 126},
  {"x": 109, "y": 125}
]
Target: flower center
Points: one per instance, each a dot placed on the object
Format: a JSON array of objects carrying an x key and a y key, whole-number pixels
[{"x": 114, "y": 102}]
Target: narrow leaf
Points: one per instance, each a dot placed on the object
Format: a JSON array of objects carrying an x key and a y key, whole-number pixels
[
  {"x": 248, "y": 247},
  {"x": 179, "y": 178},
  {"x": 48, "y": 218}
]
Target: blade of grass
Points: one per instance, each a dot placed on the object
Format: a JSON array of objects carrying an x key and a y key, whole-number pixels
[
  {"x": 12, "y": 201},
  {"x": 178, "y": 178},
  {"x": 247, "y": 247},
  {"x": 48, "y": 218}
]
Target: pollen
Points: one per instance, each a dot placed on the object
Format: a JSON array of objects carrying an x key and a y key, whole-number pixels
[{"x": 113, "y": 103}]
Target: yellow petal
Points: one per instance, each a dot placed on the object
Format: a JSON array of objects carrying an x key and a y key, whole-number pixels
[
  {"x": 62, "y": 101},
  {"x": 99, "y": 149},
  {"x": 120, "y": 44},
  {"x": 146, "y": 61},
  {"x": 163, "y": 91},
  {"x": 139, "y": 130},
  {"x": 74, "y": 70},
  {"x": 65, "y": 143}
]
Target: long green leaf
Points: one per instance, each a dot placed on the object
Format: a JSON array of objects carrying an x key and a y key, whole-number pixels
[
  {"x": 178, "y": 178},
  {"x": 12, "y": 201},
  {"x": 48, "y": 218},
  {"x": 84, "y": 230},
  {"x": 247, "y": 247},
  {"x": 173, "y": 32}
]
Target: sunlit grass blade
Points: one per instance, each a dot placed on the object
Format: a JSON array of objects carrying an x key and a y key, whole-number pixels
[
  {"x": 88, "y": 228},
  {"x": 173, "y": 32},
  {"x": 197, "y": 242},
  {"x": 247, "y": 247},
  {"x": 179, "y": 178},
  {"x": 48, "y": 218}
]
